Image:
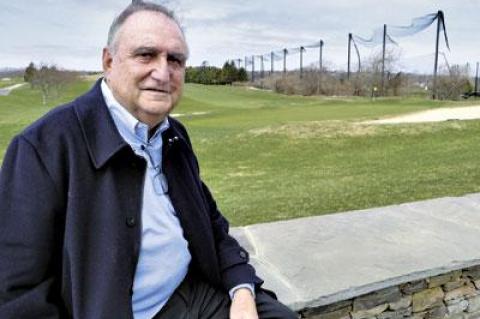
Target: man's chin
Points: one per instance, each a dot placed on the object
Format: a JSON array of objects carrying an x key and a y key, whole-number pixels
[{"x": 156, "y": 108}]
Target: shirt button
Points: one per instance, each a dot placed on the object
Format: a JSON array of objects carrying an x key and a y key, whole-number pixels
[
  {"x": 131, "y": 221},
  {"x": 243, "y": 254}
]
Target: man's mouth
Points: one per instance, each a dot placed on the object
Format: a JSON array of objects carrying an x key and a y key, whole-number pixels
[{"x": 157, "y": 90}]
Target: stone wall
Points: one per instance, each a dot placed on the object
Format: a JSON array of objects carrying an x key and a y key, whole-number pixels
[{"x": 454, "y": 295}]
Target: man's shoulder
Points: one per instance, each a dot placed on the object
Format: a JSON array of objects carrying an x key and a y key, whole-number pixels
[
  {"x": 179, "y": 129},
  {"x": 61, "y": 121},
  {"x": 177, "y": 125}
]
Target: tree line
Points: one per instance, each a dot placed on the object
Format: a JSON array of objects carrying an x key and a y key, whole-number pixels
[{"x": 205, "y": 74}]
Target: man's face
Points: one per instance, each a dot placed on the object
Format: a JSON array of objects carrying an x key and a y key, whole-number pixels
[{"x": 146, "y": 70}]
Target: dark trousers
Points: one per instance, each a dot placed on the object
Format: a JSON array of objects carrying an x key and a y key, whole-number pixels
[{"x": 196, "y": 299}]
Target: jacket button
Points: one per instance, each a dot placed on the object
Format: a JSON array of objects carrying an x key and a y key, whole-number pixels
[
  {"x": 131, "y": 221},
  {"x": 243, "y": 254},
  {"x": 173, "y": 140}
]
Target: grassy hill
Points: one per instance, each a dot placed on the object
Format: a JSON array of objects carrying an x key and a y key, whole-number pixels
[{"x": 269, "y": 157}]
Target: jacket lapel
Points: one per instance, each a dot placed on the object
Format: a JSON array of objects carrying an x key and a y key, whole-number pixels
[{"x": 98, "y": 128}]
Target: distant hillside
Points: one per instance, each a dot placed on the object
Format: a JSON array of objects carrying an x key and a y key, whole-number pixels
[{"x": 11, "y": 72}]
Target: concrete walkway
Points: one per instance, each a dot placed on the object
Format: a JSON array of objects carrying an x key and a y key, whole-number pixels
[
  {"x": 6, "y": 90},
  {"x": 315, "y": 261}
]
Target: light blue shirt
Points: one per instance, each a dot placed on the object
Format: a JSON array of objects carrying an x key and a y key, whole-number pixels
[{"x": 164, "y": 256}]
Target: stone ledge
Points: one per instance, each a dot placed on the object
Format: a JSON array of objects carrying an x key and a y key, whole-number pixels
[{"x": 317, "y": 261}]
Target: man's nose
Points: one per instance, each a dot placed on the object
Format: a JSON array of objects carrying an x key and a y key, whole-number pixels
[{"x": 161, "y": 70}]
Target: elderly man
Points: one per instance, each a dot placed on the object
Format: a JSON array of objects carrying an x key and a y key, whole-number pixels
[{"x": 103, "y": 213}]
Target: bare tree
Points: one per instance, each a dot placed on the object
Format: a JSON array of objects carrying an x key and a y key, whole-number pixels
[
  {"x": 392, "y": 80},
  {"x": 50, "y": 81},
  {"x": 453, "y": 81}
]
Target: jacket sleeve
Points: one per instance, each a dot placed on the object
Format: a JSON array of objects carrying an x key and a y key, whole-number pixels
[
  {"x": 233, "y": 259},
  {"x": 29, "y": 236}
]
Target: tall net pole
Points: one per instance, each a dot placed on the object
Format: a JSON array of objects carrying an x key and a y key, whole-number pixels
[
  {"x": 349, "y": 49},
  {"x": 320, "y": 59},
  {"x": 435, "y": 67},
  {"x": 271, "y": 62},
  {"x": 262, "y": 73},
  {"x": 253, "y": 68},
  {"x": 476, "y": 80},
  {"x": 383, "y": 57},
  {"x": 320, "y": 62},
  {"x": 285, "y": 61},
  {"x": 301, "y": 61}
]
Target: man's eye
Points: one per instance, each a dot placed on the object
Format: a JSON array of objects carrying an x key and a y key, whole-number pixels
[
  {"x": 175, "y": 61},
  {"x": 145, "y": 56}
]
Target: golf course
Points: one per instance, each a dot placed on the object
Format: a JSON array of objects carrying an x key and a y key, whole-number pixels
[{"x": 269, "y": 157}]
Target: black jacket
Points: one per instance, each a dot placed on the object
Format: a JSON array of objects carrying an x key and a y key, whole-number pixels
[{"x": 70, "y": 224}]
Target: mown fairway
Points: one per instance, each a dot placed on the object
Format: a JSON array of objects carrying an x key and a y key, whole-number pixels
[{"x": 269, "y": 157}]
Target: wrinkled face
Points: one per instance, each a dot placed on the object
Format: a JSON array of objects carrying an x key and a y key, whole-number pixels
[{"x": 146, "y": 69}]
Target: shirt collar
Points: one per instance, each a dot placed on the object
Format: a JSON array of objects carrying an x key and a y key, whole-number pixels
[{"x": 124, "y": 118}]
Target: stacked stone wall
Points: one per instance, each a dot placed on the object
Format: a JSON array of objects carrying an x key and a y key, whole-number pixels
[{"x": 453, "y": 295}]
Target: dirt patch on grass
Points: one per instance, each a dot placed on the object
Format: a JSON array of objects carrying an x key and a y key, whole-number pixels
[
  {"x": 245, "y": 171},
  {"x": 328, "y": 129},
  {"x": 338, "y": 129},
  {"x": 435, "y": 115}
]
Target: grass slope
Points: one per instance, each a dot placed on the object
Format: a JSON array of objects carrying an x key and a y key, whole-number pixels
[{"x": 270, "y": 157}]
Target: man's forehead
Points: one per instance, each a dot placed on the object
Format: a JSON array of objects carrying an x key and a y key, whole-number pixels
[
  {"x": 152, "y": 42},
  {"x": 152, "y": 29}
]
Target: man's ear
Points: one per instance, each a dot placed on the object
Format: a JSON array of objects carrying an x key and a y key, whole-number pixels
[{"x": 107, "y": 59}]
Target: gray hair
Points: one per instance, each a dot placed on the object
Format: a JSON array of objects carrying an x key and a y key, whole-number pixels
[{"x": 134, "y": 7}]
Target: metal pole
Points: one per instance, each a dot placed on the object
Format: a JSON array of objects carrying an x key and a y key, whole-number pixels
[
  {"x": 320, "y": 62},
  {"x": 262, "y": 73},
  {"x": 271, "y": 62},
  {"x": 349, "y": 48},
  {"x": 383, "y": 58},
  {"x": 253, "y": 68},
  {"x": 476, "y": 80},
  {"x": 320, "y": 67},
  {"x": 285, "y": 61},
  {"x": 301, "y": 61},
  {"x": 435, "y": 67}
]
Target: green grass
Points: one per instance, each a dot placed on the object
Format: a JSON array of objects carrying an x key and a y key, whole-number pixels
[
  {"x": 270, "y": 157},
  {"x": 10, "y": 81},
  {"x": 24, "y": 105}
]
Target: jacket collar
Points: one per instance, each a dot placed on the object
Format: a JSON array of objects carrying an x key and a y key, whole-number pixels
[{"x": 98, "y": 128}]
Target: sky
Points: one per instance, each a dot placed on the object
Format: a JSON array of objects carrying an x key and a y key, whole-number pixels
[{"x": 72, "y": 33}]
